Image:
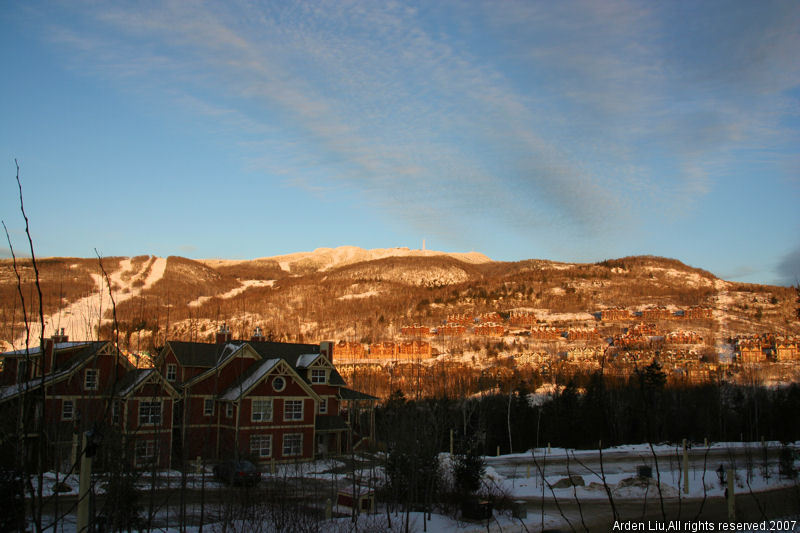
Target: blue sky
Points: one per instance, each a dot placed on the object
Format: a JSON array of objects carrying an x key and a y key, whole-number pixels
[{"x": 573, "y": 131}]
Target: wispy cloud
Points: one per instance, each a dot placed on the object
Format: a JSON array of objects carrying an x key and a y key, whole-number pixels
[{"x": 572, "y": 111}]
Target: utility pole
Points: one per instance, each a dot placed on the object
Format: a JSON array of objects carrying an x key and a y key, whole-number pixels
[{"x": 85, "y": 484}]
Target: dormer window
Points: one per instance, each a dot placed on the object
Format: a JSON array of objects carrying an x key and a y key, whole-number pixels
[{"x": 319, "y": 376}]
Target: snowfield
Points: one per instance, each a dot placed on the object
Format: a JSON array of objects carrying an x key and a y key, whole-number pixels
[{"x": 560, "y": 489}]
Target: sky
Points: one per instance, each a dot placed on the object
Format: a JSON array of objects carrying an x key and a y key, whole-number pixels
[{"x": 571, "y": 131}]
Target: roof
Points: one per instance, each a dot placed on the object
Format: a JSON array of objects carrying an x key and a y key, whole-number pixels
[
  {"x": 286, "y": 351},
  {"x": 298, "y": 356},
  {"x": 138, "y": 376},
  {"x": 248, "y": 379},
  {"x": 329, "y": 423},
  {"x": 197, "y": 354},
  {"x": 36, "y": 350},
  {"x": 208, "y": 355},
  {"x": 306, "y": 359},
  {"x": 350, "y": 394},
  {"x": 86, "y": 352},
  {"x": 132, "y": 380}
]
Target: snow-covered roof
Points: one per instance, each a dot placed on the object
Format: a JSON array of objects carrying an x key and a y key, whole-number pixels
[
  {"x": 137, "y": 377},
  {"x": 248, "y": 380},
  {"x": 35, "y": 350},
  {"x": 9, "y": 391},
  {"x": 305, "y": 360}
]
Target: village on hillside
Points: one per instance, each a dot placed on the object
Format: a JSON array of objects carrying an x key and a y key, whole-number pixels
[{"x": 685, "y": 343}]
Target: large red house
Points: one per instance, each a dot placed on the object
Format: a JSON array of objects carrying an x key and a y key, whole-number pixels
[
  {"x": 268, "y": 401},
  {"x": 63, "y": 389}
]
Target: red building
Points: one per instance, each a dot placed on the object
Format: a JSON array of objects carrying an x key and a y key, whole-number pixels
[
  {"x": 90, "y": 385},
  {"x": 522, "y": 318},
  {"x": 451, "y": 330},
  {"x": 344, "y": 350},
  {"x": 416, "y": 331},
  {"x": 657, "y": 313},
  {"x": 262, "y": 400},
  {"x": 699, "y": 313},
  {"x": 615, "y": 313},
  {"x": 460, "y": 318},
  {"x": 490, "y": 329}
]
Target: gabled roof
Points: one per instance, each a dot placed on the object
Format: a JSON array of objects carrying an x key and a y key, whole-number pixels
[
  {"x": 298, "y": 356},
  {"x": 36, "y": 350},
  {"x": 87, "y": 352},
  {"x": 249, "y": 379},
  {"x": 286, "y": 351},
  {"x": 305, "y": 360},
  {"x": 227, "y": 352},
  {"x": 197, "y": 354},
  {"x": 208, "y": 356},
  {"x": 134, "y": 379},
  {"x": 63, "y": 371}
]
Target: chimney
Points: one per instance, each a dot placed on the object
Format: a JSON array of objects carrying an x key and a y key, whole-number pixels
[
  {"x": 58, "y": 338},
  {"x": 224, "y": 334},
  {"x": 258, "y": 335},
  {"x": 47, "y": 354},
  {"x": 326, "y": 349}
]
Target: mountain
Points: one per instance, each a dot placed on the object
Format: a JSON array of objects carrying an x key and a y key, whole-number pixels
[{"x": 356, "y": 294}]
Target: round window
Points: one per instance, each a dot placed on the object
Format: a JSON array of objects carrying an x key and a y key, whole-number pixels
[{"x": 278, "y": 384}]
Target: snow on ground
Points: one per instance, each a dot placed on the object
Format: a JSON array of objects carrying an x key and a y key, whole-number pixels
[
  {"x": 367, "y": 294},
  {"x": 547, "y": 316},
  {"x": 323, "y": 259},
  {"x": 80, "y": 318},
  {"x": 689, "y": 278},
  {"x": 156, "y": 272},
  {"x": 515, "y": 474},
  {"x": 246, "y": 284}
]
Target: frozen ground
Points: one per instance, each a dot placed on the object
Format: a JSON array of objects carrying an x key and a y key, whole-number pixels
[{"x": 535, "y": 479}]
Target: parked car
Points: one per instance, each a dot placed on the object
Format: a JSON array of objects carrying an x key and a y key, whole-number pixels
[{"x": 237, "y": 473}]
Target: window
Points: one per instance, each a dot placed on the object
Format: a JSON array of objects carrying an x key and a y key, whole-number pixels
[
  {"x": 115, "y": 408},
  {"x": 292, "y": 444},
  {"x": 261, "y": 411},
  {"x": 293, "y": 410},
  {"x": 208, "y": 407},
  {"x": 149, "y": 413},
  {"x": 172, "y": 372},
  {"x": 90, "y": 379},
  {"x": 67, "y": 410},
  {"x": 318, "y": 375},
  {"x": 278, "y": 384},
  {"x": 261, "y": 445},
  {"x": 145, "y": 452},
  {"x": 323, "y": 406},
  {"x": 229, "y": 410}
]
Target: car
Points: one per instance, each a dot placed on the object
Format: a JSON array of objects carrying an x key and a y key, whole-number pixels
[{"x": 239, "y": 472}]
